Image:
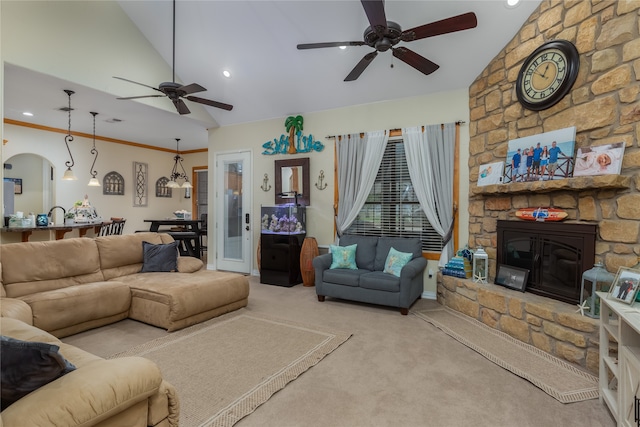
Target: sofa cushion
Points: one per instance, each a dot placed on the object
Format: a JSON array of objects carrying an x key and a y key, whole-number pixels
[
  {"x": 366, "y": 251},
  {"x": 343, "y": 257},
  {"x": 26, "y": 366},
  {"x": 343, "y": 276},
  {"x": 45, "y": 266},
  {"x": 121, "y": 255},
  {"x": 380, "y": 281},
  {"x": 159, "y": 258},
  {"x": 402, "y": 244},
  {"x": 395, "y": 261}
]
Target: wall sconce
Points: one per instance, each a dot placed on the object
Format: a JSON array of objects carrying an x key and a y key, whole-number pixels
[
  {"x": 68, "y": 174},
  {"x": 265, "y": 183},
  {"x": 93, "y": 182},
  {"x": 318, "y": 184}
]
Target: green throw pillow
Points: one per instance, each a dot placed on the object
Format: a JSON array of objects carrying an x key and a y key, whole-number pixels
[
  {"x": 343, "y": 256},
  {"x": 395, "y": 261}
]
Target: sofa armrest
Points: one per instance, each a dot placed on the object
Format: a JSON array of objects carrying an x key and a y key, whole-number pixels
[
  {"x": 16, "y": 309},
  {"x": 320, "y": 264},
  {"x": 413, "y": 268},
  {"x": 90, "y": 394}
]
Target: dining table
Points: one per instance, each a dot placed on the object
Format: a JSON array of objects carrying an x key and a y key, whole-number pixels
[{"x": 186, "y": 232}]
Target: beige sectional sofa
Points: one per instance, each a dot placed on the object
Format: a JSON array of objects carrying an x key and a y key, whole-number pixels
[{"x": 53, "y": 289}]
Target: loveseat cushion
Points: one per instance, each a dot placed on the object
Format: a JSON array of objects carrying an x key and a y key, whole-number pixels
[
  {"x": 402, "y": 244},
  {"x": 380, "y": 281},
  {"x": 366, "y": 250},
  {"x": 343, "y": 276}
]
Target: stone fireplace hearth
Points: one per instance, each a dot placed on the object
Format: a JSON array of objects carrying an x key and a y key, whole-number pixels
[{"x": 550, "y": 325}]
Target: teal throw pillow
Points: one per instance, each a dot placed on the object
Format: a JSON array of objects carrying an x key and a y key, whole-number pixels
[
  {"x": 395, "y": 261},
  {"x": 343, "y": 256}
]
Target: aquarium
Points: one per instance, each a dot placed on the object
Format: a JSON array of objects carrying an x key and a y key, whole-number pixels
[{"x": 283, "y": 219}]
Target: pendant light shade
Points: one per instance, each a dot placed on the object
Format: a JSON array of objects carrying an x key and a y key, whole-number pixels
[
  {"x": 93, "y": 182},
  {"x": 175, "y": 175},
  {"x": 68, "y": 174}
]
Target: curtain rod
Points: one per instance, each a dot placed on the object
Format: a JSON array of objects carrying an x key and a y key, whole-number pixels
[{"x": 459, "y": 122}]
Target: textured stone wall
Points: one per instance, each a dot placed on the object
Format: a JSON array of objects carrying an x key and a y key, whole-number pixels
[
  {"x": 549, "y": 325},
  {"x": 603, "y": 105}
]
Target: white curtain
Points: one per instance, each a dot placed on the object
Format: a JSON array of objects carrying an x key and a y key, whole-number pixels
[
  {"x": 358, "y": 163},
  {"x": 430, "y": 157}
]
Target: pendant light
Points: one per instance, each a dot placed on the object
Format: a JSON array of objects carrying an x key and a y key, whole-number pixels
[
  {"x": 175, "y": 175},
  {"x": 93, "y": 182},
  {"x": 68, "y": 174}
]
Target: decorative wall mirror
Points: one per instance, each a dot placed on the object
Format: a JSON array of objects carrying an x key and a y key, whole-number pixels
[{"x": 292, "y": 176}]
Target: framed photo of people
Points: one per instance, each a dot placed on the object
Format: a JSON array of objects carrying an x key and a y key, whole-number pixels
[
  {"x": 599, "y": 160},
  {"x": 542, "y": 157},
  {"x": 625, "y": 285}
]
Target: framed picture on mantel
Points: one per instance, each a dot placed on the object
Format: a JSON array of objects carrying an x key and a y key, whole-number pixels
[{"x": 541, "y": 157}]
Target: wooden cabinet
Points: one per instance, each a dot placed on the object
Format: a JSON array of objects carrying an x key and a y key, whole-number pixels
[{"x": 620, "y": 369}]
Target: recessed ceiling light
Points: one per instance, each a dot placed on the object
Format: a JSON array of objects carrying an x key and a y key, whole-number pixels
[
  {"x": 343, "y": 47},
  {"x": 227, "y": 74},
  {"x": 27, "y": 113},
  {"x": 512, "y": 3}
]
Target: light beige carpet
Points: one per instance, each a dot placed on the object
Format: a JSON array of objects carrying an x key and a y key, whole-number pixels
[
  {"x": 556, "y": 377},
  {"x": 223, "y": 369}
]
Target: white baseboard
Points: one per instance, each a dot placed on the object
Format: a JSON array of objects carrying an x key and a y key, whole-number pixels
[{"x": 429, "y": 295}]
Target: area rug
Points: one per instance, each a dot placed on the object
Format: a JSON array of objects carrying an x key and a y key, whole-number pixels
[
  {"x": 557, "y": 378},
  {"x": 223, "y": 369}
]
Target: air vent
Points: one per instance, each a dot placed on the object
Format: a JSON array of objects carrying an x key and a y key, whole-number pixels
[
  {"x": 113, "y": 120},
  {"x": 65, "y": 109}
]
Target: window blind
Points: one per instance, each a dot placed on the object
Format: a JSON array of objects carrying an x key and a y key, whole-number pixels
[{"x": 392, "y": 208}]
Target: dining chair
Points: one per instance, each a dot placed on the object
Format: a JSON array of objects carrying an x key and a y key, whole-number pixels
[{"x": 203, "y": 234}]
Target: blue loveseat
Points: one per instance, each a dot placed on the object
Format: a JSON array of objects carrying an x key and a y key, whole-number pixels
[{"x": 369, "y": 283}]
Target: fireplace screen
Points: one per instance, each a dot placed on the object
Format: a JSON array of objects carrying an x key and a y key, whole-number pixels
[{"x": 556, "y": 254}]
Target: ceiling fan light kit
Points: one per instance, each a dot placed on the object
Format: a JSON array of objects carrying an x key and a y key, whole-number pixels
[
  {"x": 176, "y": 92},
  {"x": 383, "y": 35}
]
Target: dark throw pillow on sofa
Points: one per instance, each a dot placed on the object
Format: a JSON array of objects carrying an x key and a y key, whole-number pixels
[
  {"x": 159, "y": 258},
  {"x": 26, "y": 366}
]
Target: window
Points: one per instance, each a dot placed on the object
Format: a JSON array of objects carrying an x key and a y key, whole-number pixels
[{"x": 392, "y": 208}]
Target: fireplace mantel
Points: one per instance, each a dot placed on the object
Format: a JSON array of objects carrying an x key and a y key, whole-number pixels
[{"x": 573, "y": 184}]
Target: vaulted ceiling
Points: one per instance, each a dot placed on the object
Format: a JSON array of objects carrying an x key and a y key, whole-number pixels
[{"x": 256, "y": 41}]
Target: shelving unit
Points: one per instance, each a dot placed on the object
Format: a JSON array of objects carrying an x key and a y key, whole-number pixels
[{"x": 620, "y": 371}]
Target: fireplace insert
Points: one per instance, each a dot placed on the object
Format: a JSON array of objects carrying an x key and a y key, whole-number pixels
[{"x": 555, "y": 253}]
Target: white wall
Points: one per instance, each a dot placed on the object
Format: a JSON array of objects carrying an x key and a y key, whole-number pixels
[
  {"x": 424, "y": 110},
  {"x": 112, "y": 157}
]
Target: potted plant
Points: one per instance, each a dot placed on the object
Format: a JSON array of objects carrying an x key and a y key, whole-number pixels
[{"x": 69, "y": 218}]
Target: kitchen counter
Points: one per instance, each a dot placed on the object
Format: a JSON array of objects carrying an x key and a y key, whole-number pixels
[{"x": 59, "y": 229}]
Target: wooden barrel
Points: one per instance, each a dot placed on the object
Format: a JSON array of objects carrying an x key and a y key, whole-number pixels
[{"x": 307, "y": 253}]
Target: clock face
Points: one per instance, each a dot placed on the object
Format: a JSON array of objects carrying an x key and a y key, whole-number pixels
[{"x": 547, "y": 75}]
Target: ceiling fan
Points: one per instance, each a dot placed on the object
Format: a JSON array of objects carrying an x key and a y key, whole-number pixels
[
  {"x": 176, "y": 91},
  {"x": 383, "y": 35}
]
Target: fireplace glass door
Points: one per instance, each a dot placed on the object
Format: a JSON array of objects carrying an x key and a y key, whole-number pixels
[{"x": 556, "y": 255}]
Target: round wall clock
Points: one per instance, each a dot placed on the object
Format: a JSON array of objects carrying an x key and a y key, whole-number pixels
[{"x": 547, "y": 75}]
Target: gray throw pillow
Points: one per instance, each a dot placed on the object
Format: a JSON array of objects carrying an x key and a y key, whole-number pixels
[
  {"x": 159, "y": 258},
  {"x": 26, "y": 366}
]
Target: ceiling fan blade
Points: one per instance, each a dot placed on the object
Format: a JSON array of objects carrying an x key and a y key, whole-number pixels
[
  {"x": 141, "y": 84},
  {"x": 449, "y": 25},
  {"x": 143, "y": 96},
  {"x": 192, "y": 88},
  {"x": 329, "y": 44},
  {"x": 181, "y": 106},
  {"x": 418, "y": 62},
  {"x": 375, "y": 14},
  {"x": 210, "y": 102},
  {"x": 362, "y": 65}
]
